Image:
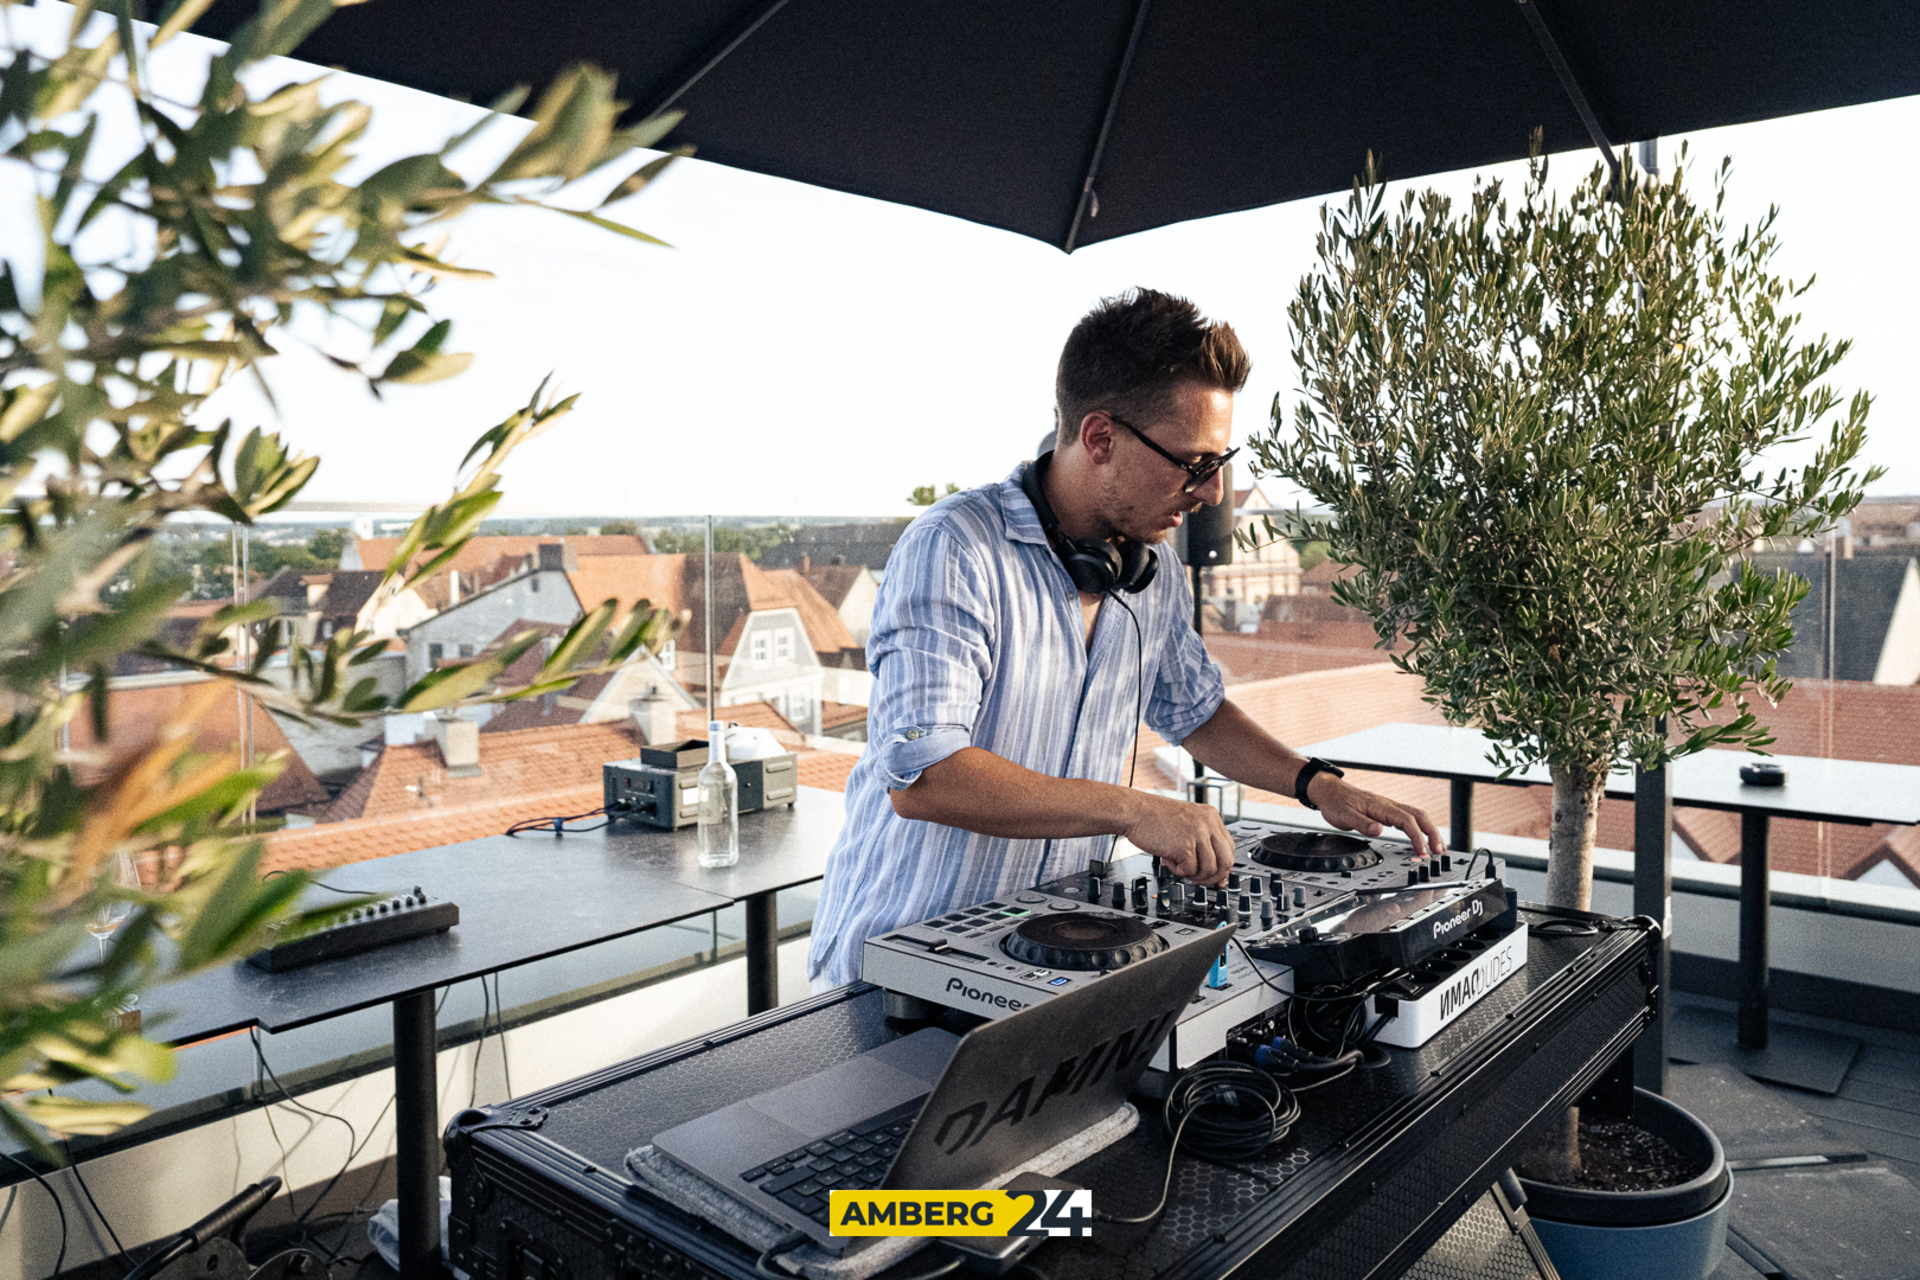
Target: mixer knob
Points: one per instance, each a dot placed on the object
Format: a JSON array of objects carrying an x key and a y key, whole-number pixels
[
  {"x": 1246, "y": 905},
  {"x": 1177, "y": 895},
  {"x": 1413, "y": 876},
  {"x": 1266, "y": 913},
  {"x": 1119, "y": 896},
  {"x": 1426, "y": 872},
  {"x": 1299, "y": 896},
  {"x": 1446, "y": 862},
  {"x": 1309, "y": 934},
  {"x": 1140, "y": 895},
  {"x": 1095, "y": 886},
  {"x": 1233, "y": 879},
  {"x": 1254, "y": 886}
]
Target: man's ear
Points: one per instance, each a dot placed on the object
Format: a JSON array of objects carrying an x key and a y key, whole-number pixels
[{"x": 1096, "y": 436}]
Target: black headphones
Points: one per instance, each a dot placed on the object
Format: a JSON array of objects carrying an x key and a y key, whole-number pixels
[{"x": 1095, "y": 565}]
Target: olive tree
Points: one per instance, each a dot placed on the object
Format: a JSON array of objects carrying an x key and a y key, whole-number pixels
[
  {"x": 172, "y": 264},
  {"x": 1539, "y": 426}
]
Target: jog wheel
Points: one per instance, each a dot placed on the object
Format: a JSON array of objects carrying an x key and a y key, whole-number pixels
[
  {"x": 1082, "y": 941},
  {"x": 1314, "y": 851}
]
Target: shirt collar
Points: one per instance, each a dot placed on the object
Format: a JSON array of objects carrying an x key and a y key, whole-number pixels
[{"x": 1016, "y": 510}]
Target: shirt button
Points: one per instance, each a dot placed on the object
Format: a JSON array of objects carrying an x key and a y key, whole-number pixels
[{"x": 913, "y": 735}]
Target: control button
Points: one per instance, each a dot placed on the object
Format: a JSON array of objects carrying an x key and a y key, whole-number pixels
[
  {"x": 1029, "y": 898},
  {"x": 1059, "y": 982}
]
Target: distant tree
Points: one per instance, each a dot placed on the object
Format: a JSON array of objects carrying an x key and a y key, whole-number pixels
[
  {"x": 326, "y": 546},
  {"x": 1312, "y": 551},
  {"x": 629, "y": 528},
  {"x": 753, "y": 543},
  {"x": 924, "y": 496}
]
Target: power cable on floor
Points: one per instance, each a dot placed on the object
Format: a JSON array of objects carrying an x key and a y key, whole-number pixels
[{"x": 60, "y": 1262}]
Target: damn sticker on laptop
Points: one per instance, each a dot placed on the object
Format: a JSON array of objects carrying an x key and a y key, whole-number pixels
[{"x": 1041, "y": 1212}]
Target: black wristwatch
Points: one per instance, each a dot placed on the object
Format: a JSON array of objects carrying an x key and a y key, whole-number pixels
[{"x": 1312, "y": 769}]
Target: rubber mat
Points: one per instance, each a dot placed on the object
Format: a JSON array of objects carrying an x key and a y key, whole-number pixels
[
  {"x": 1854, "y": 1221},
  {"x": 1751, "y": 1121},
  {"x": 1794, "y": 1056}
]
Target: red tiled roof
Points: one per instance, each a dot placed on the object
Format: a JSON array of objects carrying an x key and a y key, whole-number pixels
[
  {"x": 480, "y": 553},
  {"x": 834, "y": 581},
  {"x": 542, "y": 772},
  {"x": 411, "y": 779},
  {"x": 835, "y": 714},
  {"x": 137, "y": 715}
]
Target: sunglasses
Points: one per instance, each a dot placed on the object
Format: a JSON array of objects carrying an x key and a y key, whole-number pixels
[{"x": 1201, "y": 471}]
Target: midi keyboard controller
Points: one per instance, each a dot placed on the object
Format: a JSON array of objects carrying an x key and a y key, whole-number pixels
[{"x": 1307, "y": 907}]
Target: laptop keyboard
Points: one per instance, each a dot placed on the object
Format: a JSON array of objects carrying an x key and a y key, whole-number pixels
[{"x": 855, "y": 1158}]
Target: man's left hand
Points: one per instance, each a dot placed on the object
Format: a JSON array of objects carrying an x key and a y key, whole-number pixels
[{"x": 1351, "y": 809}]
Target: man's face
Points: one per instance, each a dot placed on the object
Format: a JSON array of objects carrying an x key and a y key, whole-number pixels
[{"x": 1140, "y": 491}]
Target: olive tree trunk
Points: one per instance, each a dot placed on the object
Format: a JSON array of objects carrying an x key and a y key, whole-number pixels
[{"x": 1576, "y": 813}]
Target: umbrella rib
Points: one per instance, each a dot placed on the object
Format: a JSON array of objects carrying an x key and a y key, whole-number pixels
[
  {"x": 690, "y": 74},
  {"x": 1570, "y": 83},
  {"x": 1106, "y": 124}
]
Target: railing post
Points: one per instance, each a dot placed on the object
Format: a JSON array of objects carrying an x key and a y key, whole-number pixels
[{"x": 1653, "y": 897}]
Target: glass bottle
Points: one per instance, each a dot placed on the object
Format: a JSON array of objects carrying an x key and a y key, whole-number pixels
[{"x": 719, "y": 803}]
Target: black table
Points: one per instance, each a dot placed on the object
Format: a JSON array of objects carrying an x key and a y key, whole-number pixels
[
  {"x": 1381, "y": 1164},
  {"x": 1855, "y": 792},
  {"x": 521, "y": 899}
]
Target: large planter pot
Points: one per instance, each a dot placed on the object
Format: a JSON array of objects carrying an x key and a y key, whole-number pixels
[{"x": 1678, "y": 1233}]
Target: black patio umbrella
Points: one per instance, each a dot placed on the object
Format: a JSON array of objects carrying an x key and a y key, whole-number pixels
[{"x": 1076, "y": 121}]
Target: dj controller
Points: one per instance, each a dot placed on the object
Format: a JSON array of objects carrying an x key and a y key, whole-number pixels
[{"x": 1312, "y": 912}]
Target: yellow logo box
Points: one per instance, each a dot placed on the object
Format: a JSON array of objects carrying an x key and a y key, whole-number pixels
[{"x": 961, "y": 1213}]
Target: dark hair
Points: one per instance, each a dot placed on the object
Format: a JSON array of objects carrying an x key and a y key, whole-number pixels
[{"x": 1131, "y": 352}]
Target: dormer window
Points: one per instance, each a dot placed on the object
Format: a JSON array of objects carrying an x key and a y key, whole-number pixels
[
  {"x": 783, "y": 645},
  {"x": 760, "y": 649}
]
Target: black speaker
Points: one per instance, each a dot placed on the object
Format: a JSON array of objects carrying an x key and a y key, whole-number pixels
[{"x": 1205, "y": 538}]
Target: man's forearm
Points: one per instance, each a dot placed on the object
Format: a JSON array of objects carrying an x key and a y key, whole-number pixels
[
  {"x": 976, "y": 790},
  {"x": 1231, "y": 743}
]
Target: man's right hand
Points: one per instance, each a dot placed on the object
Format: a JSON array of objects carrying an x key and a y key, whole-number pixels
[{"x": 1189, "y": 838}]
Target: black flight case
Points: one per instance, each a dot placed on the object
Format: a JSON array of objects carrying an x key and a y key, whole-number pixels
[{"x": 1381, "y": 1164}]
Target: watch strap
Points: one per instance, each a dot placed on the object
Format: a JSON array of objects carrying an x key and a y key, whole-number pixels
[{"x": 1312, "y": 769}]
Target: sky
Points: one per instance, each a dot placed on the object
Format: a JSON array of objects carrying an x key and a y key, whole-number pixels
[{"x": 804, "y": 352}]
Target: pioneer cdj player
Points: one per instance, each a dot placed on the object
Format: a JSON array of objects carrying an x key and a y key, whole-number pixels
[{"x": 1308, "y": 907}]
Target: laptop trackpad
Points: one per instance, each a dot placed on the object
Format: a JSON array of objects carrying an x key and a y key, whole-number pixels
[
  {"x": 856, "y": 1089},
  {"x": 862, "y": 1086}
]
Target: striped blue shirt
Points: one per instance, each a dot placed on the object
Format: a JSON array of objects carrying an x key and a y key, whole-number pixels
[{"x": 978, "y": 640}]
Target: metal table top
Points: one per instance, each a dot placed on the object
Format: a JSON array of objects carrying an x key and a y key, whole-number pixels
[
  {"x": 521, "y": 899},
  {"x": 1823, "y": 790}
]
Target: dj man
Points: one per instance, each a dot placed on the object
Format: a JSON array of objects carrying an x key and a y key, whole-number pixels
[{"x": 1024, "y": 629}]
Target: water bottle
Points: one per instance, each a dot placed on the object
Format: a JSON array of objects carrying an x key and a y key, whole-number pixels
[{"x": 719, "y": 803}]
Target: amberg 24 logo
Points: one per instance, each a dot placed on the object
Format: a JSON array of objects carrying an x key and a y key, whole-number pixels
[{"x": 1037, "y": 1212}]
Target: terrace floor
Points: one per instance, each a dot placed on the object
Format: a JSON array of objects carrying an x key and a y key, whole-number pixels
[{"x": 1850, "y": 1210}]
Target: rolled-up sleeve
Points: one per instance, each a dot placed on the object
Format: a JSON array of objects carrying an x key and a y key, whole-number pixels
[
  {"x": 1187, "y": 687},
  {"x": 931, "y": 653}
]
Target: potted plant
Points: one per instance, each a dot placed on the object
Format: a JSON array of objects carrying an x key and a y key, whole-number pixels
[
  {"x": 238, "y": 224},
  {"x": 1538, "y": 426}
]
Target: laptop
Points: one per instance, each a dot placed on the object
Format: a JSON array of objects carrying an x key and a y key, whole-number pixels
[{"x": 933, "y": 1110}]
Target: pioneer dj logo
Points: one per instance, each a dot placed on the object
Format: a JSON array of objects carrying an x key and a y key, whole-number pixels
[
  {"x": 1441, "y": 928},
  {"x": 968, "y": 1126},
  {"x": 956, "y": 986}
]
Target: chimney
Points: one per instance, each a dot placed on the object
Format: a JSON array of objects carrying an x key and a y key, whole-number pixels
[
  {"x": 453, "y": 587},
  {"x": 459, "y": 742},
  {"x": 557, "y": 555},
  {"x": 806, "y": 563},
  {"x": 656, "y": 717}
]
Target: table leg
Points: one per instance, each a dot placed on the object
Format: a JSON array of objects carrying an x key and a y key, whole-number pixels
[
  {"x": 763, "y": 952},
  {"x": 1460, "y": 829},
  {"x": 417, "y": 1135},
  {"x": 1755, "y": 963}
]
